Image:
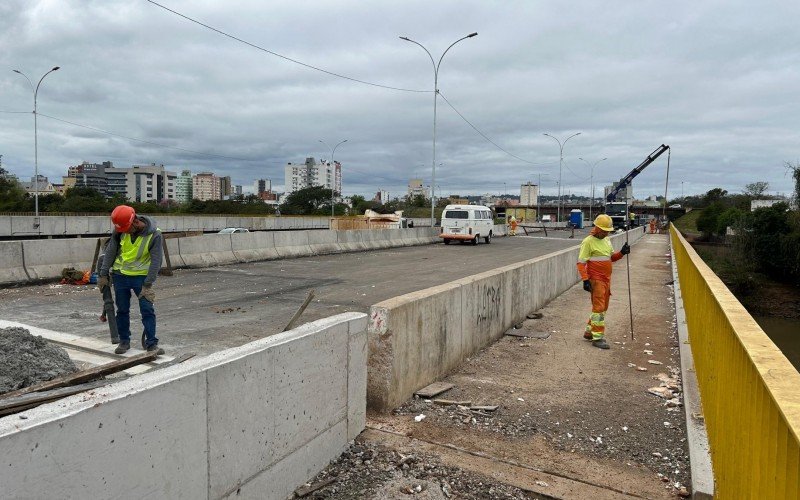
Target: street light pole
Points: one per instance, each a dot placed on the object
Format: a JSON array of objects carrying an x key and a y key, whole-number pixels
[
  {"x": 560, "y": 165},
  {"x": 36, "y": 139},
  {"x": 333, "y": 167},
  {"x": 591, "y": 181},
  {"x": 435, "y": 99}
]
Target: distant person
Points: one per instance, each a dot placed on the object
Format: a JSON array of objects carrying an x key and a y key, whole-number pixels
[
  {"x": 133, "y": 255},
  {"x": 653, "y": 225},
  {"x": 512, "y": 222},
  {"x": 595, "y": 265}
]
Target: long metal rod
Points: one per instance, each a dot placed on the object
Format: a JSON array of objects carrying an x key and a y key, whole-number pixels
[
  {"x": 628, "y": 263},
  {"x": 666, "y": 187}
]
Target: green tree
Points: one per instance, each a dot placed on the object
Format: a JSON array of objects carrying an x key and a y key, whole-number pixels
[
  {"x": 756, "y": 190},
  {"x": 12, "y": 196},
  {"x": 728, "y": 218},
  {"x": 315, "y": 200},
  {"x": 708, "y": 221}
]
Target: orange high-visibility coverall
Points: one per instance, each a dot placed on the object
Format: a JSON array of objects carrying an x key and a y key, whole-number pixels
[{"x": 595, "y": 264}]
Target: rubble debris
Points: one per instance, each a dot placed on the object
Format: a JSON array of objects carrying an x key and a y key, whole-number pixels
[
  {"x": 654, "y": 362},
  {"x": 661, "y": 392},
  {"x": 485, "y": 408},
  {"x": 311, "y": 488},
  {"x": 26, "y": 360},
  {"x": 419, "y": 418},
  {"x": 433, "y": 390},
  {"x": 536, "y": 315}
]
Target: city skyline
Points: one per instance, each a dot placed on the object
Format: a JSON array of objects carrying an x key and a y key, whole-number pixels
[{"x": 714, "y": 81}]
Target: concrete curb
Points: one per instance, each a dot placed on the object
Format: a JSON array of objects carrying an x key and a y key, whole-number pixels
[{"x": 696, "y": 435}]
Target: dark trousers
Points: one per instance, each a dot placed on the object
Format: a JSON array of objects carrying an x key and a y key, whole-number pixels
[{"x": 123, "y": 286}]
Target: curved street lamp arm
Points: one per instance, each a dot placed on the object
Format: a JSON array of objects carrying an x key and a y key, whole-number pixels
[
  {"x": 26, "y": 77},
  {"x": 435, "y": 70},
  {"x": 40, "y": 81},
  {"x": 555, "y": 139},
  {"x": 451, "y": 46}
]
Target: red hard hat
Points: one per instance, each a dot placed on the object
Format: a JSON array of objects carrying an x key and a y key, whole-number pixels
[{"x": 122, "y": 217}]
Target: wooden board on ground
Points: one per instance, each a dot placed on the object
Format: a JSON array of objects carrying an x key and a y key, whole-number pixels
[
  {"x": 450, "y": 402},
  {"x": 85, "y": 375},
  {"x": 433, "y": 390}
]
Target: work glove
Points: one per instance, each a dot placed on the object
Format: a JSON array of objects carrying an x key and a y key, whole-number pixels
[
  {"x": 625, "y": 250},
  {"x": 102, "y": 282},
  {"x": 148, "y": 293},
  {"x": 587, "y": 285}
]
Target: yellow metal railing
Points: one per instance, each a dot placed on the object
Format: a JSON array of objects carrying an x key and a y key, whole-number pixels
[{"x": 750, "y": 392}]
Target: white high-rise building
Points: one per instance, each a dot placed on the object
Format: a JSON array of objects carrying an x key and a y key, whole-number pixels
[
  {"x": 311, "y": 173},
  {"x": 142, "y": 183},
  {"x": 528, "y": 194},
  {"x": 183, "y": 188}
]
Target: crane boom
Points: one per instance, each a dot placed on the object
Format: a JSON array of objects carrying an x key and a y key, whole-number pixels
[{"x": 623, "y": 183}]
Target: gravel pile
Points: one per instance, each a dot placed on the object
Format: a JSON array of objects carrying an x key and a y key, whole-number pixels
[
  {"x": 367, "y": 470},
  {"x": 27, "y": 360}
]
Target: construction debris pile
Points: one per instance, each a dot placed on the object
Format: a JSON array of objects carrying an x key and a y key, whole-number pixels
[
  {"x": 367, "y": 470},
  {"x": 26, "y": 360}
]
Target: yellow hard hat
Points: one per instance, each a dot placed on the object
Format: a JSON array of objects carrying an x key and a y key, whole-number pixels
[{"x": 603, "y": 221}]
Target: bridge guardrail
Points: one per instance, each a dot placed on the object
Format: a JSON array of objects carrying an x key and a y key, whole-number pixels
[{"x": 750, "y": 392}]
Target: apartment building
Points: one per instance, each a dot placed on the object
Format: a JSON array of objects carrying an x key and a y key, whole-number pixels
[
  {"x": 206, "y": 186},
  {"x": 312, "y": 173}
]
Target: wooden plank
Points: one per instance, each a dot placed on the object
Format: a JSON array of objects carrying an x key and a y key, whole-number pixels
[
  {"x": 433, "y": 390},
  {"x": 168, "y": 270},
  {"x": 37, "y": 398},
  {"x": 292, "y": 321},
  {"x": 85, "y": 375},
  {"x": 484, "y": 408},
  {"x": 450, "y": 402}
]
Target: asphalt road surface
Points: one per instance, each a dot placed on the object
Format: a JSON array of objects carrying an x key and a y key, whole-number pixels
[{"x": 206, "y": 310}]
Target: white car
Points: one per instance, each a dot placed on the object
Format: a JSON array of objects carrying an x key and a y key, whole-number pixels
[
  {"x": 231, "y": 230},
  {"x": 467, "y": 223}
]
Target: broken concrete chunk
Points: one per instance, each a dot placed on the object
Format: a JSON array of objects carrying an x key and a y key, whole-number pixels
[
  {"x": 654, "y": 362},
  {"x": 485, "y": 408},
  {"x": 661, "y": 392}
]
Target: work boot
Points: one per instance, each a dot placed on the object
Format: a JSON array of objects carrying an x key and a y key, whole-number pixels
[
  {"x": 587, "y": 335},
  {"x": 122, "y": 347},
  {"x": 601, "y": 344},
  {"x": 154, "y": 347}
]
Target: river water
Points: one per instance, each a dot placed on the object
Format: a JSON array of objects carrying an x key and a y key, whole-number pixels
[{"x": 786, "y": 335}]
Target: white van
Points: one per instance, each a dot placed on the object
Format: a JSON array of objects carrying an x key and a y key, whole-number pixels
[{"x": 467, "y": 223}]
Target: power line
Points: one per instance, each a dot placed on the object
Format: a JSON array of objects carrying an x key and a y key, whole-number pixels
[
  {"x": 20, "y": 112},
  {"x": 331, "y": 73},
  {"x": 143, "y": 140},
  {"x": 486, "y": 137}
]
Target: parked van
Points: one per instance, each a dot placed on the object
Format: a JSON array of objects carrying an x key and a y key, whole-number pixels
[{"x": 467, "y": 223}]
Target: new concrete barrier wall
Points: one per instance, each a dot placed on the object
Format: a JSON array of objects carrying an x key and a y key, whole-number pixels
[
  {"x": 44, "y": 259},
  {"x": 255, "y": 421},
  {"x": 77, "y": 225},
  {"x": 418, "y": 338}
]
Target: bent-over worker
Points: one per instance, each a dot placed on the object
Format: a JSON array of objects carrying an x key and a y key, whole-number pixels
[
  {"x": 595, "y": 265},
  {"x": 133, "y": 255}
]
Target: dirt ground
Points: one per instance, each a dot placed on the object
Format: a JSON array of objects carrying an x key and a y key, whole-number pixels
[{"x": 573, "y": 421}]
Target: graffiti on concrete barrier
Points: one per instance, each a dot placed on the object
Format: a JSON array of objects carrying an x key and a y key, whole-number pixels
[{"x": 488, "y": 304}]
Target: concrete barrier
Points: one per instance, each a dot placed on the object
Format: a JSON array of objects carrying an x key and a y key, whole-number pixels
[
  {"x": 251, "y": 247},
  {"x": 207, "y": 250},
  {"x": 255, "y": 421},
  {"x": 12, "y": 263},
  {"x": 292, "y": 244},
  {"x": 420, "y": 337},
  {"x": 323, "y": 242},
  {"x": 46, "y": 258}
]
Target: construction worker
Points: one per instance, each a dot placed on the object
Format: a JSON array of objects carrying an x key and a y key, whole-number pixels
[
  {"x": 595, "y": 266},
  {"x": 133, "y": 255},
  {"x": 653, "y": 225},
  {"x": 513, "y": 223}
]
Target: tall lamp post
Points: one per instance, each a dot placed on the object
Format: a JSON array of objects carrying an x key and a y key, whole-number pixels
[
  {"x": 560, "y": 165},
  {"x": 36, "y": 138},
  {"x": 591, "y": 180},
  {"x": 333, "y": 167},
  {"x": 435, "y": 98}
]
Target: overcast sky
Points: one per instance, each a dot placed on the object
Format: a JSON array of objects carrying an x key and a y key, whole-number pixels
[{"x": 718, "y": 81}]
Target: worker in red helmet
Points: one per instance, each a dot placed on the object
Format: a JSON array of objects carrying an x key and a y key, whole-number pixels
[{"x": 133, "y": 256}]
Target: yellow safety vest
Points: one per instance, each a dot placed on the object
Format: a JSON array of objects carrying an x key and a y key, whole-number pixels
[{"x": 133, "y": 258}]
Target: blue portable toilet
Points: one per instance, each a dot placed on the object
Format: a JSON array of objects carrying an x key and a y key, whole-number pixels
[{"x": 576, "y": 218}]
